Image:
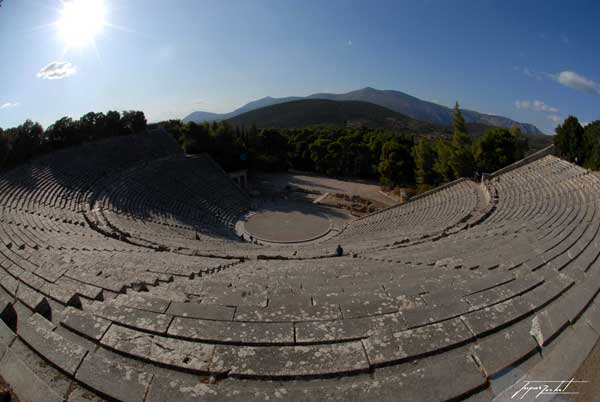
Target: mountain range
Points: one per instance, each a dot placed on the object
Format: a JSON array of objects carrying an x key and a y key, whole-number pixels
[
  {"x": 325, "y": 112},
  {"x": 396, "y": 101}
]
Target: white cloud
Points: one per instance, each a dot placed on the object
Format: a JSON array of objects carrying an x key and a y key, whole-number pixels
[
  {"x": 555, "y": 118},
  {"x": 57, "y": 70},
  {"x": 575, "y": 81},
  {"x": 8, "y": 105},
  {"x": 535, "y": 105}
]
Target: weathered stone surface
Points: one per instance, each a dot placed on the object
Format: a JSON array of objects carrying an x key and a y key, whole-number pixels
[
  {"x": 80, "y": 394},
  {"x": 489, "y": 319},
  {"x": 48, "y": 373},
  {"x": 424, "y": 315},
  {"x": 289, "y": 300},
  {"x": 500, "y": 350},
  {"x": 146, "y": 320},
  {"x": 10, "y": 284},
  {"x": 33, "y": 299},
  {"x": 404, "y": 345},
  {"x": 117, "y": 381},
  {"x": 6, "y": 334},
  {"x": 83, "y": 289},
  {"x": 203, "y": 311},
  {"x": 24, "y": 382},
  {"x": 447, "y": 378},
  {"x": 84, "y": 323},
  {"x": 51, "y": 272},
  {"x": 38, "y": 333},
  {"x": 288, "y": 314},
  {"x": 7, "y": 312},
  {"x": 547, "y": 323},
  {"x": 233, "y": 331},
  {"x": 168, "y": 351},
  {"x": 503, "y": 292},
  {"x": 366, "y": 308},
  {"x": 61, "y": 294},
  {"x": 165, "y": 389},
  {"x": 142, "y": 302},
  {"x": 548, "y": 291},
  {"x": 290, "y": 361},
  {"x": 340, "y": 330}
]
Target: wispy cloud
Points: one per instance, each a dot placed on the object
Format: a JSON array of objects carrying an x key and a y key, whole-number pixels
[
  {"x": 8, "y": 105},
  {"x": 535, "y": 105},
  {"x": 349, "y": 43},
  {"x": 536, "y": 74},
  {"x": 57, "y": 70},
  {"x": 567, "y": 78},
  {"x": 555, "y": 118},
  {"x": 575, "y": 81}
]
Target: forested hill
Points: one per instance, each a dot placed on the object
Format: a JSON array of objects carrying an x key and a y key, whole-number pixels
[
  {"x": 320, "y": 112},
  {"x": 396, "y": 101}
]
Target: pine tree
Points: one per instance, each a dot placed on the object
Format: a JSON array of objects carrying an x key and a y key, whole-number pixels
[
  {"x": 458, "y": 121},
  {"x": 461, "y": 158},
  {"x": 425, "y": 158}
]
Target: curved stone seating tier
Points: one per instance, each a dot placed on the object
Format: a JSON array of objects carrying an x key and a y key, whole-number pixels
[{"x": 120, "y": 279}]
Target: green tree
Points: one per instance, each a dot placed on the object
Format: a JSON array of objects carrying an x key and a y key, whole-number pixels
[
  {"x": 458, "y": 121},
  {"x": 195, "y": 138},
  {"x": 92, "y": 126},
  {"x": 112, "y": 124},
  {"x": 442, "y": 166},
  {"x": 64, "y": 132},
  {"x": 318, "y": 154},
  {"x": 425, "y": 157},
  {"x": 271, "y": 150},
  {"x": 461, "y": 156},
  {"x": 521, "y": 143},
  {"x": 25, "y": 141},
  {"x": 592, "y": 145},
  {"x": 4, "y": 149},
  {"x": 396, "y": 166},
  {"x": 133, "y": 122},
  {"x": 499, "y": 147},
  {"x": 569, "y": 140}
]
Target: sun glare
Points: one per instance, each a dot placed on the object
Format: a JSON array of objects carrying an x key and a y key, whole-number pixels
[{"x": 81, "y": 21}]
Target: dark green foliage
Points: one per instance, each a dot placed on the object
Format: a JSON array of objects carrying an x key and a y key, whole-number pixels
[
  {"x": 458, "y": 121},
  {"x": 461, "y": 155},
  {"x": 4, "y": 149},
  {"x": 569, "y": 140},
  {"x": 441, "y": 166},
  {"x": 346, "y": 150},
  {"x": 24, "y": 142},
  {"x": 63, "y": 133},
  {"x": 396, "y": 165},
  {"x": 498, "y": 148},
  {"x": 133, "y": 122},
  {"x": 425, "y": 157},
  {"x": 29, "y": 140},
  {"x": 592, "y": 145}
]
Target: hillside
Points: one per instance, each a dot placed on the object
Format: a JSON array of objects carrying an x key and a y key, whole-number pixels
[
  {"x": 311, "y": 112},
  {"x": 396, "y": 101}
]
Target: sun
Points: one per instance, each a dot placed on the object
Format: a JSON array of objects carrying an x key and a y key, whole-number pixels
[{"x": 81, "y": 21}]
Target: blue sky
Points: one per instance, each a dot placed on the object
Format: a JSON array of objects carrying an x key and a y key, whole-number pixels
[{"x": 533, "y": 61}]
